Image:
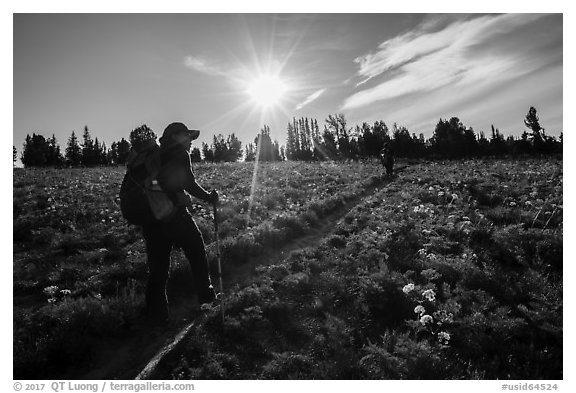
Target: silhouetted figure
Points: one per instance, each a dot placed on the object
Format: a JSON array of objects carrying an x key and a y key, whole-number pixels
[
  {"x": 175, "y": 177},
  {"x": 387, "y": 159}
]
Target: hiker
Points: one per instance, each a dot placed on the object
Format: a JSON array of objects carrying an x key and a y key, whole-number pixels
[
  {"x": 387, "y": 159},
  {"x": 175, "y": 177}
]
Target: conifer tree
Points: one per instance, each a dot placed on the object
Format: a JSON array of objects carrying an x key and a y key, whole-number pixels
[
  {"x": 35, "y": 151},
  {"x": 537, "y": 135},
  {"x": 53, "y": 155},
  {"x": 141, "y": 137},
  {"x": 73, "y": 153}
]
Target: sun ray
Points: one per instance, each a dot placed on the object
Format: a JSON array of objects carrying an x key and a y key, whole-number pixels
[{"x": 254, "y": 180}]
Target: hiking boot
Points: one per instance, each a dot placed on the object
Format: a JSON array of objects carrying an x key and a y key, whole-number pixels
[{"x": 206, "y": 295}]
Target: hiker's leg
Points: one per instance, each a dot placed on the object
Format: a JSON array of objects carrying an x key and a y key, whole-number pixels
[
  {"x": 158, "y": 248},
  {"x": 389, "y": 167},
  {"x": 190, "y": 239}
]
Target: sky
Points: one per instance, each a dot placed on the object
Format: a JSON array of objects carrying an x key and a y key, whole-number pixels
[{"x": 115, "y": 72}]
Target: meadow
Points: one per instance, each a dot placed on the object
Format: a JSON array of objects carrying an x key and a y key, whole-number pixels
[{"x": 450, "y": 270}]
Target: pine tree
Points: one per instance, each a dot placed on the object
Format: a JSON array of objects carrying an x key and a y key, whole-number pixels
[
  {"x": 88, "y": 153},
  {"x": 112, "y": 155},
  {"x": 297, "y": 141},
  {"x": 267, "y": 151},
  {"x": 142, "y": 137},
  {"x": 250, "y": 152},
  {"x": 234, "y": 148},
  {"x": 99, "y": 153},
  {"x": 538, "y": 136},
  {"x": 219, "y": 147},
  {"x": 35, "y": 151},
  {"x": 337, "y": 125},
  {"x": 53, "y": 156},
  {"x": 533, "y": 123},
  {"x": 73, "y": 153},
  {"x": 123, "y": 148},
  {"x": 291, "y": 143},
  {"x": 207, "y": 152},
  {"x": 497, "y": 143},
  {"x": 195, "y": 155}
]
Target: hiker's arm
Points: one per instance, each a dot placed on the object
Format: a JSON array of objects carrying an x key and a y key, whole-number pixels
[
  {"x": 178, "y": 177},
  {"x": 196, "y": 190}
]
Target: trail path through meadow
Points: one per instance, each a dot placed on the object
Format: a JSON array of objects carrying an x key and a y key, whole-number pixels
[{"x": 142, "y": 348}]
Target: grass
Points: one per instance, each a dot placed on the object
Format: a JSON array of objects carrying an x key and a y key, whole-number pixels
[{"x": 484, "y": 237}]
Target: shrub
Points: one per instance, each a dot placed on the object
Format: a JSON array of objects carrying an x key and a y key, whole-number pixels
[
  {"x": 65, "y": 335},
  {"x": 288, "y": 365},
  {"x": 381, "y": 294},
  {"x": 399, "y": 357}
]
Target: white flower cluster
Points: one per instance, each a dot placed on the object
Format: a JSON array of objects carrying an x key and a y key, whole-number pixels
[
  {"x": 420, "y": 310},
  {"x": 52, "y": 291},
  {"x": 443, "y": 338},
  {"x": 429, "y": 294},
  {"x": 443, "y": 317},
  {"x": 426, "y": 319},
  {"x": 423, "y": 209}
]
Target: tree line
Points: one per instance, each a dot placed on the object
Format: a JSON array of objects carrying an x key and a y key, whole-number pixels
[
  {"x": 305, "y": 142},
  {"x": 451, "y": 139}
]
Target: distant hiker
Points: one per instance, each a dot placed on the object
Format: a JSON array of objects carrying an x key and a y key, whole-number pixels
[
  {"x": 179, "y": 229},
  {"x": 387, "y": 159}
]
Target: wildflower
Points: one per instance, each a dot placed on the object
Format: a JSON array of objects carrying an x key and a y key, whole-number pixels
[
  {"x": 443, "y": 338},
  {"x": 443, "y": 317},
  {"x": 65, "y": 292},
  {"x": 408, "y": 288},
  {"x": 420, "y": 310},
  {"x": 430, "y": 274},
  {"x": 441, "y": 193},
  {"x": 50, "y": 291},
  {"x": 425, "y": 319},
  {"x": 512, "y": 204},
  {"x": 454, "y": 197},
  {"x": 429, "y": 295}
]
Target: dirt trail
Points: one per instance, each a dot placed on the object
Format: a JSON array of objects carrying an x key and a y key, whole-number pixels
[
  {"x": 143, "y": 347},
  {"x": 325, "y": 226}
]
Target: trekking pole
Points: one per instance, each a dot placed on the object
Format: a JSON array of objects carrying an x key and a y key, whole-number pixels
[{"x": 219, "y": 263}]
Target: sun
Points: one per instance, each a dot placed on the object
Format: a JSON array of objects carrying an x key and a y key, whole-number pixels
[{"x": 267, "y": 90}]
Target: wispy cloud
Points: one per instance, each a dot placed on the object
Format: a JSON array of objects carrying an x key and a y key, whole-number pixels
[
  {"x": 429, "y": 59},
  {"x": 310, "y": 98},
  {"x": 201, "y": 65}
]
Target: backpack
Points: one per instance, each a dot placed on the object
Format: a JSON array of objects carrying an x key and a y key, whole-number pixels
[{"x": 142, "y": 200}]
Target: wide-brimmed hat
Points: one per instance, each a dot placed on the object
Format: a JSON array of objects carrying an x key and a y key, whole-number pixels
[{"x": 178, "y": 128}]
